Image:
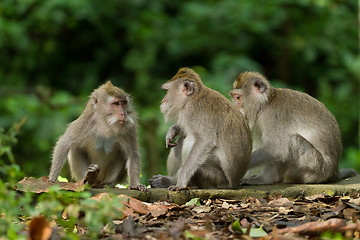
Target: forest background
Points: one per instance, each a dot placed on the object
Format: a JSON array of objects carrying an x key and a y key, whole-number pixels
[{"x": 53, "y": 53}]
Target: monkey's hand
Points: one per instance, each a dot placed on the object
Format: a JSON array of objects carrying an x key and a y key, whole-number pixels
[
  {"x": 160, "y": 181},
  {"x": 176, "y": 188},
  {"x": 92, "y": 173},
  {"x": 140, "y": 187},
  {"x": 171, "y": 134}
]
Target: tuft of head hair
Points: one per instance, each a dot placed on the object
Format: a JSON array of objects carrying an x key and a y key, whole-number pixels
[
  {"x": 111, "y": 90},
  {"x": 245, "y": 77},
  {"x": 186, "y": 73}
]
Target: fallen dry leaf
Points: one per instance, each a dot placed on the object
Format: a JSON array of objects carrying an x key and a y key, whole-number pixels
[
  {"x": 349, "y": 213},
  {"x": 134, "y": 204},
  {"x": 225, "y": 205},
  {"x": 42, "y": 184},
  {"x": 314, "y": 228},
  {"x": 100, "y": 196},
  {"x": 281, "y": 202},
  {"x": 202, "y": 209},
  {"x": 39, "y": 229},
  {"x": 157, "y": 210}
]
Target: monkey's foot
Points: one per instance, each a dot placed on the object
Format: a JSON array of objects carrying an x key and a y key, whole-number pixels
[
  {"x": 160, "y": 181},
  {"x": 140, "y": 187},
  {"x": 92, "y": 173},
  {"x": 253, "y": 180},
  {"x": 175, "y": 188}
]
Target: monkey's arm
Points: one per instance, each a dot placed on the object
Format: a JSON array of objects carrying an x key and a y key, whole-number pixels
[
  {"x": 171, "y": 134},
  {"x": 133, "y": 166},
  {"x": 59, "y": 157},
  {"x": 198, "y": 155}
]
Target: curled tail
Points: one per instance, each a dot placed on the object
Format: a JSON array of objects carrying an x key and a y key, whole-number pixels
[{"x": 347, "y": 172}]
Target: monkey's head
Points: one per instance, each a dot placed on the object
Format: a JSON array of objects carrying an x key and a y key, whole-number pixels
[
  {"x": 185, "y": 85},
  {"x": 250, "y": 88},
  {"x": 111, "y": 105}
]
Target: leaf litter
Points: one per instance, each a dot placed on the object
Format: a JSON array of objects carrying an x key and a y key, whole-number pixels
[{"x": 274, "y": 217}]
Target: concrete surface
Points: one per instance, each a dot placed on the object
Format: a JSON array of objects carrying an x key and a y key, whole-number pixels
[{"x": 346, "y": 187}]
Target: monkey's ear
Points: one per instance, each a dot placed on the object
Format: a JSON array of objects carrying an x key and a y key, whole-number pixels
[
  {"x": 260, "y": 85},
  {"x": 189, "y": 87},
  {"x": 94, "y": 99}
]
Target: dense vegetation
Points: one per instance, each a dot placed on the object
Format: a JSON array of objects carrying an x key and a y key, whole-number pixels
[{"x": 53, "y": 53}]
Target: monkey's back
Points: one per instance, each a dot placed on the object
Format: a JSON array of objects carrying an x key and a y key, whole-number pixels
[
  {"x": 304, "y": 115},
  {"x": 230, "y": 131}
]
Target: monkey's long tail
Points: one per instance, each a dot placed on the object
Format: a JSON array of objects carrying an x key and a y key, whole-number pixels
[{"x": 347, "y": 172}]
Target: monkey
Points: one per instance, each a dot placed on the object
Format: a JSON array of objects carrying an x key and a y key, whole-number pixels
[
  {"x": 214, "y": 145},
  {"x": 295, "y": 137},
  {"x": 101, "y": 144}
]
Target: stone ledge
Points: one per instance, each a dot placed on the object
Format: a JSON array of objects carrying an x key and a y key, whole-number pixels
[{"x": 347, "y": 187}]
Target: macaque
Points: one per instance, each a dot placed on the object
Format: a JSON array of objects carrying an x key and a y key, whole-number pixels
[
  {"x": 295, "y": 138},
  {"x": 214, "y": 145},
  {"x": 102, "y": 143}
]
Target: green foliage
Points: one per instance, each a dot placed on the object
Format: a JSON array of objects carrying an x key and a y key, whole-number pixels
[
  {"x": 332, "y": 236},
  {"x": 80, "y": 210},
  {"x": 254, "y": 232},
  {"x": 47, "y": 115},
  {"x": 189, "y": 235},
  {"x": 16, "y": 207},
  {"x": 9, "y": 170},
  {"x": 194, "y": 201},
  {"x": 54, "y": 50}
]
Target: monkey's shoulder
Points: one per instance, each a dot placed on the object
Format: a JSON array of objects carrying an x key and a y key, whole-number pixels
[
  {"x": 297, "y": 101},
  {"x": 215, "y": 101}
]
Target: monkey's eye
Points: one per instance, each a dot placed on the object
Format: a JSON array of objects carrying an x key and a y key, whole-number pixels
[
  {"x": 237, "y": 97},
  {"x": 116, "y": 103},
  {"x": 124, "y": 102}
]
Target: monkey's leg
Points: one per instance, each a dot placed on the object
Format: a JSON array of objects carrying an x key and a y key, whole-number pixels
[
  {"x": 174, "y": 160},
  {"x": 308, "y": 164},
  {"x": 272, "y": 168},
  {"x": 198, "y": 155},
  {"x": 347, "y": 172},
  {"x": 209, "y": 176},
  {"x": 260, "y": 156},
  {"x": 271, "y": 174}
]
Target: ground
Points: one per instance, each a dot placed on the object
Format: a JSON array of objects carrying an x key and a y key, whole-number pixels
[{"x": 282, "y": 211}]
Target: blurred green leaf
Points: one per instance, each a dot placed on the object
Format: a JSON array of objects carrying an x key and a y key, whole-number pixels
[{"x": 194, "y": 201}]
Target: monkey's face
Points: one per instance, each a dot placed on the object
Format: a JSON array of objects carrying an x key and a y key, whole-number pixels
[
  {"x": 116, "y": 110},
  {"x": 173, "y": 100},
  {"x": 237, "y": 97}
]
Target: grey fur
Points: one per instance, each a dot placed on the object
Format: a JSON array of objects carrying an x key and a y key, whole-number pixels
[
  {"x": 91, "y": 140},
  {"x": 295, "y": 137},
  {"x": 214, "y": 145}
]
